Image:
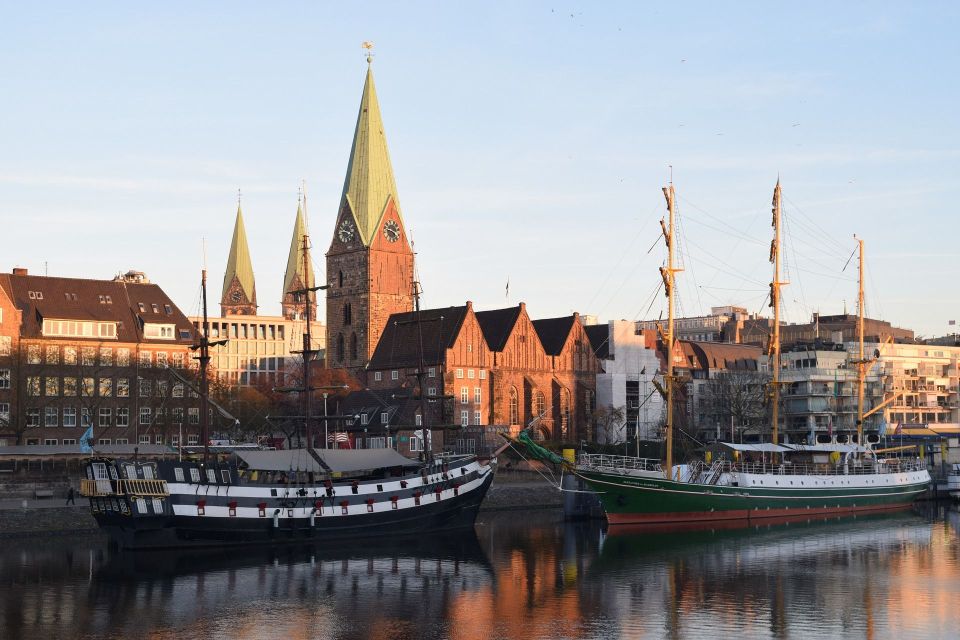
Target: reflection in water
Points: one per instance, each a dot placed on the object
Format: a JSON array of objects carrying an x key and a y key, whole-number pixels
[{"x": 529, "y": 576}]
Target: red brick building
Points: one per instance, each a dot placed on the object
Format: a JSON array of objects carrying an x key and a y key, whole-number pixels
[{"x": 113, "y": 354}]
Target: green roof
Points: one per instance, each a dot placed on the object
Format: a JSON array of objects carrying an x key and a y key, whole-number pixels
[
  {"x": 238, "y": 263},
  {"x": 295, "y": 257},
  {"x": 369, "y": 184}
]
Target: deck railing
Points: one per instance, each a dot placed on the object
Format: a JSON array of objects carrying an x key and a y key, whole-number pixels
[
  {"x": 135, "y": 487},
  {"x": 603, "y": 462}
]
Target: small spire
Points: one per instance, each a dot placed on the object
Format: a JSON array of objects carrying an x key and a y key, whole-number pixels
[{"x": 239, "y": 196}]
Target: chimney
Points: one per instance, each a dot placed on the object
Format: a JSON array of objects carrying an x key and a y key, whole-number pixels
[{"x": 19, "y": 271}]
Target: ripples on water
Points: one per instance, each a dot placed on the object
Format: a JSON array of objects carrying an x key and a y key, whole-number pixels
[{"x": 522, "y": 575}]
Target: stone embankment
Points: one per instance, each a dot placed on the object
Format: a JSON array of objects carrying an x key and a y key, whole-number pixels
[{"x": 26, "y": 517}]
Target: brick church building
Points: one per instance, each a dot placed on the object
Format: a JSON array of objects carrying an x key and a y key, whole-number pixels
[{"x": 482, "y": 370}]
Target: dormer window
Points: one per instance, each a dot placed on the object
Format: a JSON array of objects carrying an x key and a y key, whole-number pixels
[
  {"x": 159, "y": 331},
  {"x": 168, "y": 309},
  {"x": 155, "y": 307},
  {"x": 142, "y": 307}
]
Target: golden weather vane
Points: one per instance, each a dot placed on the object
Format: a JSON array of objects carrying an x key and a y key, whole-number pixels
[{"x": 368, "y": 45}]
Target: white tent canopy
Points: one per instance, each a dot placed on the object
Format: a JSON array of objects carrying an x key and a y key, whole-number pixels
[{"x": 338, "y": 460}]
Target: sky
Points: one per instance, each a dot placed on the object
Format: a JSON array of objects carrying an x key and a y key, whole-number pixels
[{"x": 529, "y": 141}]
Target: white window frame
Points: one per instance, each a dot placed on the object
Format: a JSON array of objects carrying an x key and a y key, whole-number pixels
[
  {"x": 464, "y": 418},
  {"x": 194, "y": 475},
  {"x": 378, "y": 375},
  {"x": 394, "y": 375}
]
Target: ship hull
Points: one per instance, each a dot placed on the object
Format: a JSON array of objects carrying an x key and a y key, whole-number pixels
[
  {"x": 298, "y": 524},
  {"x": 656, "y": 500}
]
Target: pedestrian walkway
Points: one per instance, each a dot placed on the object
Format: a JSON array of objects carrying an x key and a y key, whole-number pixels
[{"x": 44, "y": 503}]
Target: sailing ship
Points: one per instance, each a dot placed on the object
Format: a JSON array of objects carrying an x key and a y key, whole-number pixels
[
  {"x": 284, "y": 496},
  {"x": 787, "y": 479}
]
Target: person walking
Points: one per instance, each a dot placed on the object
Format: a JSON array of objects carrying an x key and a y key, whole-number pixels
[{"x": 70, "y": 497}]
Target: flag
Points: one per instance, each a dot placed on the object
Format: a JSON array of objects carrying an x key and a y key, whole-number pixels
[
  {"x": 952, "y": 323},
  {"x": 882, "y": 431},
  {"x": 338, "y": 437},
  {"x": 508, "y": 286},
  {"x": 86, "y": 440}
]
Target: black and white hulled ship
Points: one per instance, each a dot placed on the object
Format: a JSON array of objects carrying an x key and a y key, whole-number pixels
[{"x": 282, "y": 496}]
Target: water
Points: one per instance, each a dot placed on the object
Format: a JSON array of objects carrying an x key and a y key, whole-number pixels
[{"x": 523, "y": 575}]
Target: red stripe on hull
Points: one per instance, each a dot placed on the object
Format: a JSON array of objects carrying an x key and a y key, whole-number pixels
[{"x": 741, "y": 515}]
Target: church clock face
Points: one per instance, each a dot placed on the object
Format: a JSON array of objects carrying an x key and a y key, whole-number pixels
[
  {"x": 391, "y": 231},
  {"x": 236, "y": 296},
  {"x": 345, "y": 231}
]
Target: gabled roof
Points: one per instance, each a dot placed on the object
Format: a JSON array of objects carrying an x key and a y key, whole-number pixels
[
  {"x": 295, "y": 256},
  {"x": 599, "y": 336},
  {"x": 369, "y": 184},
  {"x": 497, "y": 324},
  {"x": 399, "y": 344},
  {"x": 239, "y": 265},
  {"x": 54, "y": 298},
  {"x": 553, "y": 333}
]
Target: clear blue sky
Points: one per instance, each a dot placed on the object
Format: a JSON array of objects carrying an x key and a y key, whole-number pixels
[{"x": 529, "y": 141}]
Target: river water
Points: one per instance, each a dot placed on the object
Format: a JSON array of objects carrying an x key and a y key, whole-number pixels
[{"x": 521, "y": 575}]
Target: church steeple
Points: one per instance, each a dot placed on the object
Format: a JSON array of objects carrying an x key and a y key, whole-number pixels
[
  {"x": 239, "y": 295},
  {"x": 370, "y": 261},
  {"x": 369, "y": 185},
  {"x": 295, "y": 278}
]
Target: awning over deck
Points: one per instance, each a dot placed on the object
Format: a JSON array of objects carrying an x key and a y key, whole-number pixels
[
  {"x": 758, "y": 447},
  {"x": 338, "y": 460}
]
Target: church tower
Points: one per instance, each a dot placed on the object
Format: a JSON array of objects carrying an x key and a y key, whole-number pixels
[
  {"x": 239, "y": 297},
  {"x": 296, "y": 278},
  {"x": 369, "y": 262}
]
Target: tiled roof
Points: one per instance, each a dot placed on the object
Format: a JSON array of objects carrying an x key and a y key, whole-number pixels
[
  {"x": 497, "y": 324},
  {"x": 40, "y": 297},
  {"x": 399, "y": 344},
  {"x": 553, "y": 333},
  {"x": 599, "y": 335}
]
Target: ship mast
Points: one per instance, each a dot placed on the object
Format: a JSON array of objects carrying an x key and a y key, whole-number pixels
[
  {"x": 669, "y": 278},
  {"x": 862, "y": 362},
  {"x": 204, "y": 359},
  {"x": 774, "y": 346}
]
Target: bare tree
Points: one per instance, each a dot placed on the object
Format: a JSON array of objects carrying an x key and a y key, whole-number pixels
[
  {"x": 610, "y": 421},
  {"x": 735, "y": 402}
]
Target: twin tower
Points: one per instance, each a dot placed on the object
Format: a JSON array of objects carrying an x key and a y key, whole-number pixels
[{"x": 369, "y": 259}]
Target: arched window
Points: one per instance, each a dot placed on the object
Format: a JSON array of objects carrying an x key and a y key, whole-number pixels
[
  {"x": 347, "y": 314},
  {"x": 539, "y": 406},
  {"x": 340, "y": 279},
  {"x": 564, "y": 412},
  {"x": 514, "y": 406},
  {"x": 353, "y": 346},
  {"x": 340, "y": 347}
]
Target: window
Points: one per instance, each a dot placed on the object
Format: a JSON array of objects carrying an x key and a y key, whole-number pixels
[
  {"x": 476, "y": 418},
  {"x": 177, "y": 359},
  {"x": 159, "y": 415},
  {"x": 144, "y": 388},
  {"x": 33, "y": 417},
  {"x": 141, "y": 307},
  {"x": 106, "y": 387},
  {"x": 144, "y": 439},
  {"x": 33, "y": 385},
  {"x": 483, "y": 374},
  {"x": 464, "y": 395},
  {"x": 145, "y": 359},
  {"x": 418, "y": 420},
  {"x": 50, "y": 441},
  {"x": 88, "y": 356},
  {"x": 104, "y": 416},
  {"x": 432, "y": 372},
  {"x": 4, "y": 413},
  {"x": 79, "y": 329},
  {"x": 470, "y": 374},
  {"x": 178, "y": 390},
  {"x": 145, "y": 415},
  {"x": 192, "y": 439},
  {"x": 476, "y": 394},
  {"x": 168, "y": 309},
  {"x": 347, "y": 314},
  {"x": 431, "y": 391},
  {"x": 538, "y": 405},
  {"x": 53, "y": 354},
  {"x": 123, "y": 357},
  {"x": 162, "y": 388},
  {"x": 177, "y": 415},
  {"x": 123, "y": 387},
  {"x": 106, "y": 357},
  {"x": 155, "y": 307},
  {"x": 384, "y": 417},
  {"x": 161, "y": 358},
  {"x": 33, "y": 354},
  {"x": 6, "y": 343},
  {"x": 514, "y": 406},
  {"x": 460, "y": 373},
  {"x": 85, "y": 417},
  {"x": 105, "y": 441},
  {"x": 4, "y": 378},
  {"x": 87, "y": 387},
  {"x": 123, "y": 417},
  {"x": 69, "y": 441},
  {"x": 394, "y": 375},
  {"x": 51, "y": 416},
  {"x": 378, "y": 375},
  {"x": 193, "y": 415},
  {"x": 363, "y": 418},
  {"x": 69, "y": 416},
  {"x": 464, "y": 418},
  {"x": 178, "y": 474}
]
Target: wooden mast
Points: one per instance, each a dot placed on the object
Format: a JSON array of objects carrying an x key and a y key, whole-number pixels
[
  {"x": 862, "y": 362},
  {"x": 774, "y": 348},
  {"x": 669, "y": 277}
]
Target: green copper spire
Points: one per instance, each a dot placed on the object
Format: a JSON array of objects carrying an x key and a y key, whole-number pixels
[
  {"x": 239, "y": 269},
  {"x": 369, "y": 184},
  {"x": 294, "y": 278}
]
